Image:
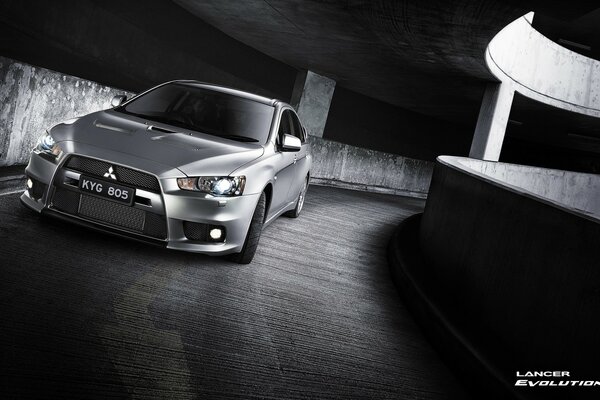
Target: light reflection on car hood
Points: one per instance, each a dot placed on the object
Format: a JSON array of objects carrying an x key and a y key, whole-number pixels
[{"x": 193, "y": 153}]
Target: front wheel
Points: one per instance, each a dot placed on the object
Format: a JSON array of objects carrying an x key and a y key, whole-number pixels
[
  {"x": 253, "y": 235},
  {"x": 299, "y": 202}
]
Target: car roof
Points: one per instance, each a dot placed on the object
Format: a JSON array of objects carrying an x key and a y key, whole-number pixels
[{"x": 231, "y": 91}]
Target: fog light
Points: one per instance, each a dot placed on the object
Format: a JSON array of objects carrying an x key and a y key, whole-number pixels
[
  {"x": 29, "y": 183},
  {"x": 215, "y": 234}
]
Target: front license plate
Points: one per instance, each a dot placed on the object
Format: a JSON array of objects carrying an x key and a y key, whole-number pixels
[{"x": 109, "y": 190}]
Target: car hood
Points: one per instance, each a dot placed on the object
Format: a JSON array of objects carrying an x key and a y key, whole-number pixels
[{"x": 192, "y": 152}]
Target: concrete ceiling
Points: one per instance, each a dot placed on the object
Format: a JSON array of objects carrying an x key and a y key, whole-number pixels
[{"x": 425, "y": 56}]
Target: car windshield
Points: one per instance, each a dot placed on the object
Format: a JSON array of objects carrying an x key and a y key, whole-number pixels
[{"x": 203, "y": 110}]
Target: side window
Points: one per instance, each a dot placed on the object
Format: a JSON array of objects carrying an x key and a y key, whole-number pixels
[
  {"x": 285, "y": 126},
  {"x": 298, "y": 131},
  {"x": 290, "y": 124}
]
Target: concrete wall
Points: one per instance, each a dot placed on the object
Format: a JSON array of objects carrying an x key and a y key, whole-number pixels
[
  {"x": 34, "y": 99},
  {"x": 576, "y": 191},
  {"x": 515, "y": 277},
  {"x": 353, "y": 167},
  {"x": 368, "y": 123}
]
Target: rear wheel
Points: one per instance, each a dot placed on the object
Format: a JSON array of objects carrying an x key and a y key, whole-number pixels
[
  {"x": 299, "y": 202},
  {"x": 251, "y": 243}
]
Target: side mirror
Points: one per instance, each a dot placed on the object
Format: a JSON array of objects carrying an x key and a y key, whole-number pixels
[
  {"x": 118, "y": 100},
  {"x": 290, "y": 143}
]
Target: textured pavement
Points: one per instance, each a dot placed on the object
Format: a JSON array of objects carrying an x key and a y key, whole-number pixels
[{"x": 87, "y": 315}]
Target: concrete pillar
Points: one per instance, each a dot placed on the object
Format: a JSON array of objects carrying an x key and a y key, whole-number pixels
[
  {"x": 311, "y": 98},
  {"x": 492, "y": 120}
]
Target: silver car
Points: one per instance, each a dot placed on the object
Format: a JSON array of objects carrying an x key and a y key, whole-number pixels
[{"x": 186, "y": 165}]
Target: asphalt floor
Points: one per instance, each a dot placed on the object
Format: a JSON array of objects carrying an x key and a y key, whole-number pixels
[{"x": 315, "y": 316}]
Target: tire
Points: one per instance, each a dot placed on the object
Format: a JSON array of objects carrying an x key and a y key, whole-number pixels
[
  {"x": 253, "y": 235},
  {"x": 299, "y": 202}
]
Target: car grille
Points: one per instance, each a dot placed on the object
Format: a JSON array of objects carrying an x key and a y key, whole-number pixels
[
  {"x": 66, "y": 200},
  {"x": 109, "y": 212},
  {"x": 125, "y": 175}
]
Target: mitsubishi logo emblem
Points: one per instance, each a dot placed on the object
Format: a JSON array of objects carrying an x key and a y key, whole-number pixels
[{"x": 110, "y": 174}]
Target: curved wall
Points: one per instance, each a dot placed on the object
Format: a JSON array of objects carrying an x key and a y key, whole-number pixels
[
  {"x": 515, "y": 273},
  {"x": 543, "y": 70},
  {"x": 574, "y": 191}
]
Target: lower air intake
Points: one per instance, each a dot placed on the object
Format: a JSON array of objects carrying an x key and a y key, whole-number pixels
[
  {"x": 111, "y": 212},
  {"x": 201, "y": 232}
]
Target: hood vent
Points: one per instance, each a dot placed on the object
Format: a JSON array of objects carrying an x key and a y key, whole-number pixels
[
  {"x": 110, "y": 127},
  {"x": 159, "y": 129}
]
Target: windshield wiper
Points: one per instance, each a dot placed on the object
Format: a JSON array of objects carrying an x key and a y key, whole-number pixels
[
  {"x": 169, "y": 121},
  {"x": 166, "y": 120},
  {"x": 239, "y": 138},
  {"x": 158, "y": 118}
]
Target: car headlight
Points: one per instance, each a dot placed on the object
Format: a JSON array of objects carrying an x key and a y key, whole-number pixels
[
  {"x": 215, "y": 185},
  {"x": 47, "y": 146}
]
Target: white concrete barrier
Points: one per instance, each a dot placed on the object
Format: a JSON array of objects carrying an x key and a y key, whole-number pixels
[
  {"x": 543, "y": 70},
  {"x": 527, "y": 62},
  {"x": 574, "y": 191}
]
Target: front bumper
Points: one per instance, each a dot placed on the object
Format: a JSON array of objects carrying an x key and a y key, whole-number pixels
[{"x": 159, "y": 216}]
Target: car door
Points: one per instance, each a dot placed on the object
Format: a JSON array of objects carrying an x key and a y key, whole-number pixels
[{"x": 284, "y": 163}]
